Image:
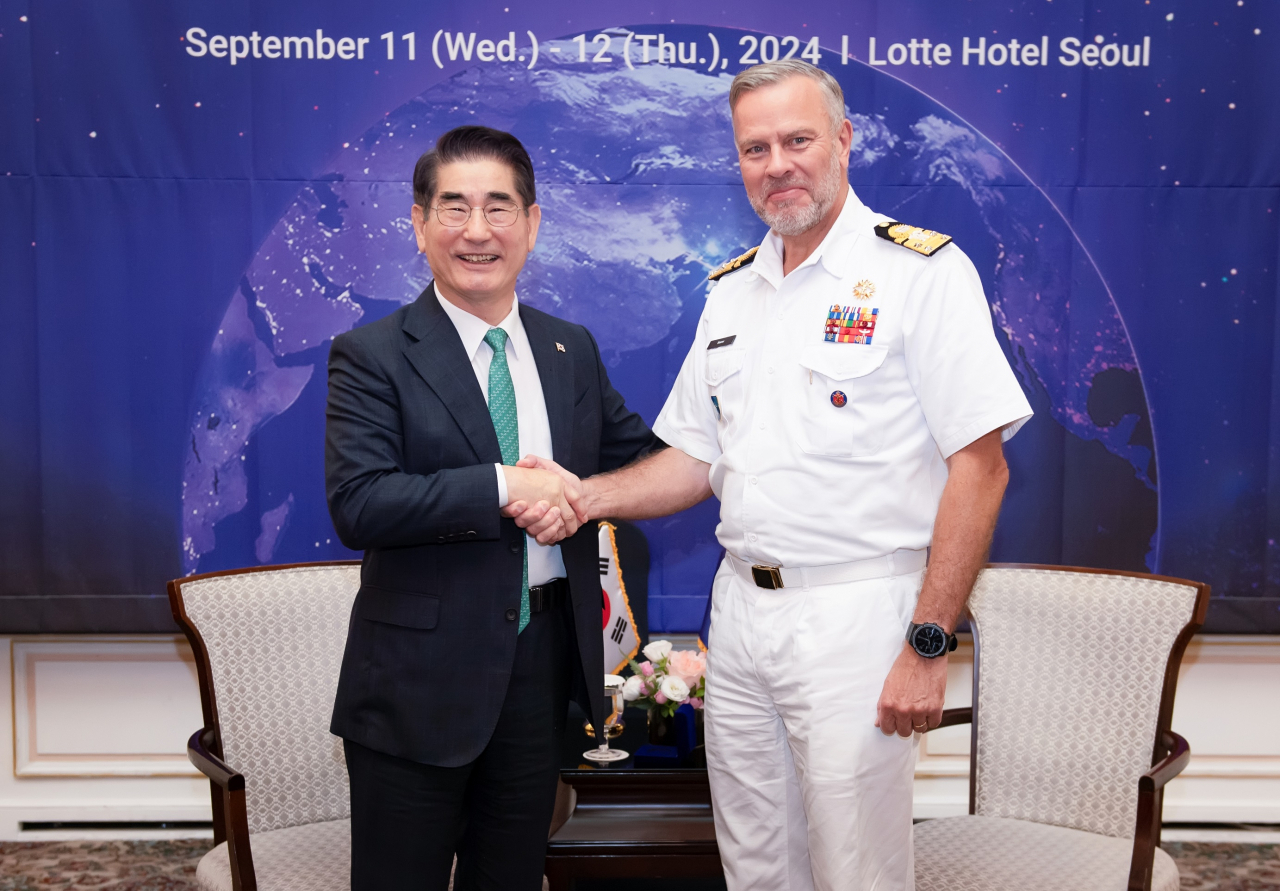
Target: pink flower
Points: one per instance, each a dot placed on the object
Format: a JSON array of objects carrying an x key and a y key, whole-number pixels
[
  {"x": 695, "y": 702},
  {"x": 659, "y": 698},
  {"x": 688, "y": 665},
  {"x": 646, "y": 669}
]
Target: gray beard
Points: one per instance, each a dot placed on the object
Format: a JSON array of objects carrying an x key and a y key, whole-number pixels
[{"x": 790, "y": 221}]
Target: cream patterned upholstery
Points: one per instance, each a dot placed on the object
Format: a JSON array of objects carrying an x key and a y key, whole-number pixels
[
  {"x": 316, "y": 857},
  {"x": 1071, "y": 674},
  {"x": 994, "y": 854},
  {"x": 275, "y": 640}
]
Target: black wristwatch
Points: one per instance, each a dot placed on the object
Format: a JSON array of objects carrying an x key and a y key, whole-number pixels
[{"x": 930, "y": 641}]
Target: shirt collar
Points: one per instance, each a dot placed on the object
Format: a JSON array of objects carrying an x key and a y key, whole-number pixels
[
  {"x": 830, "y": 253},
  {"x": 472, "y": 329}
]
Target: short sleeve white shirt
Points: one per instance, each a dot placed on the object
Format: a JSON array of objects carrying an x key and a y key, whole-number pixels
[{"x": 832, "y": 449}]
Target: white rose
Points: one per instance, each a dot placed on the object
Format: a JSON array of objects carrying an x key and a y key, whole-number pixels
[
  {"x": 657, "y": 650},
  {"x": 674, "y": 689},
  {"x": 631, "y": 689}
]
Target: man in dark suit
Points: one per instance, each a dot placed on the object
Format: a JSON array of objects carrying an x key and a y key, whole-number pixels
[{"x": 469, "y": 633}]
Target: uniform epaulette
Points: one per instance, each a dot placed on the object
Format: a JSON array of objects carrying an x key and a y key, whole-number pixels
[
  {"x": 735, "y": 264},
  {"x": 922, "y": 241}
]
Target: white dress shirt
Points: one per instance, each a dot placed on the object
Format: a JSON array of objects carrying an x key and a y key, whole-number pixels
[
  {"x": 545, "y": 562},
  {"x": 828, "y": 452}
]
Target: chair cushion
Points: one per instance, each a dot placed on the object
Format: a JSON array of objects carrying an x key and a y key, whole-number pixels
[
  {"x": 314, "y": 857},
  {"x": 997, "y": 854}
]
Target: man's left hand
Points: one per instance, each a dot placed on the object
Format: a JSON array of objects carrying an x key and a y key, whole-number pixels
[{"x": 911, "y": 701}]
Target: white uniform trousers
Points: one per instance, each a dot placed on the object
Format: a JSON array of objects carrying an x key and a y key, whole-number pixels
[{"x": 808, "y": 793}]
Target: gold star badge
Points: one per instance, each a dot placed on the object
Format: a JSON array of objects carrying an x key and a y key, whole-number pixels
[{"x": 864, "y": 290}]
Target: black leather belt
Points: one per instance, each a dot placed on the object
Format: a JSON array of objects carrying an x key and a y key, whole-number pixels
[{"x": 548, "y": 595}]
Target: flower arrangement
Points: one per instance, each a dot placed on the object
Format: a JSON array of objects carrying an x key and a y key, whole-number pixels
[{"x": 666, "y": 679}]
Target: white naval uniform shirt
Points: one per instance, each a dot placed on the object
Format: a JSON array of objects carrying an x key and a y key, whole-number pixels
[
  {"x": 545, "y": 562},
  {"x": 801, "y": 481}
]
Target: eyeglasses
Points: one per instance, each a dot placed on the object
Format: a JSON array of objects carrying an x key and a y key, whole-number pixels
[{"x": 456, "y": 214}]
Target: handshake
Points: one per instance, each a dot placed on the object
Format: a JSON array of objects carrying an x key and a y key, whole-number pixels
[{"x": 547, "y": 501}]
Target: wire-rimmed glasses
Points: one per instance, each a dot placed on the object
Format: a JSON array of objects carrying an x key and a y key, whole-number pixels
[{"x": 456, "y": 214}]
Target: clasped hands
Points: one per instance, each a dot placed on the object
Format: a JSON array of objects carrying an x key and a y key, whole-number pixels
[
  {"x": 550, "y": 503},
  {"x": 547, "y": 501}
]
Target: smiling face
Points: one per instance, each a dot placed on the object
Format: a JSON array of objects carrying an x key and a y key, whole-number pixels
[
  {"x": 794, "y": 165},
  {"x": 475, "y": 265}
]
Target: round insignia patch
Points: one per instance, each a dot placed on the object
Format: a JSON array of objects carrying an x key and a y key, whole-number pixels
[{"x": 838, "y": 399}]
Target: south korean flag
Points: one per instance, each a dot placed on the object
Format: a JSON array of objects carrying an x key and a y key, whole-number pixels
[{"x": 621, "y": 643}]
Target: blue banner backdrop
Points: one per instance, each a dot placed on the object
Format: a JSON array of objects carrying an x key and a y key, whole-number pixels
[{"x": 198, "y": 196}]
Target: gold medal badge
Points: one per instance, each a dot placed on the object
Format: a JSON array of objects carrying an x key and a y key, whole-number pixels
[{"x": 864, "y": 290}]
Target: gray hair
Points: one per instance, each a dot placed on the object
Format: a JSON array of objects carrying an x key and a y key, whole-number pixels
[{"x": 770, "y": 73}]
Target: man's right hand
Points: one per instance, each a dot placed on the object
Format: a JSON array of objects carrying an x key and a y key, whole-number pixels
[
  {"x": 541, "y": 502},
  {"x": 655, "y": 486},
  {"x": 572, "y": 483}
]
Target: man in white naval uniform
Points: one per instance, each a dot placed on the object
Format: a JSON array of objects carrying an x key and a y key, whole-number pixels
[{"x": 845, "y": 398}]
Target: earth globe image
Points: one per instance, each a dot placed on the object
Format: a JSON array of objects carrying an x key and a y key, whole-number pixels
[{"x": 637, "y": 178}]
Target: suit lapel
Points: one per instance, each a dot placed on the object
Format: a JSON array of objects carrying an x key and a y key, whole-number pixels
[
  {"x": 556, "y": 373},
  {"x": 437, "y": 354}
]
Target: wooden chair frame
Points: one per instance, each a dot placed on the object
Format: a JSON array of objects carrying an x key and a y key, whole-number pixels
[
  {"x": 1170, "y": 752},
  {"x": 204, "y": 749}
]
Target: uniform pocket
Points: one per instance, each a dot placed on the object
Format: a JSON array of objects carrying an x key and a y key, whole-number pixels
[
  {"x": 840, "y": 417},
  {"x": 724, "y": 381}
]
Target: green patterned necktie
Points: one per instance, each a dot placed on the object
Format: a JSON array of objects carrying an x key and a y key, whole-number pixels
[{"x": 502, "y": 408}]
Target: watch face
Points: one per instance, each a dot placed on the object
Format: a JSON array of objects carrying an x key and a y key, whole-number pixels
[{"x": 929, "y": 640}]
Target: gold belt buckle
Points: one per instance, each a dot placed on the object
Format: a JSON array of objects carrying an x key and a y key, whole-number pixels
[{"x": 767, "y": 576}]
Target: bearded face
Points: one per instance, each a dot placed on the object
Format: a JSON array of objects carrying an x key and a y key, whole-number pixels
[
  {"x": 797, "y": 214},
  {"x": 793, "y": 153}
]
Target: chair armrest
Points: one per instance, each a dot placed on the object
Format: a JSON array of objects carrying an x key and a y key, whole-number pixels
[
  {"x": 953, "y": 716},
  {"x": 1170, "y": 766},
  {"x": 1146, "y": 836},
  {"x": 209, "y": 764},
  {"x": 234, "y": 811}
]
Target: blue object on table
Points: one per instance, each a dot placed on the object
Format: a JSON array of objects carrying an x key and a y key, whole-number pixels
[
  {"x": 650, "y": 755},
  {"x": 686, "y": 730}
]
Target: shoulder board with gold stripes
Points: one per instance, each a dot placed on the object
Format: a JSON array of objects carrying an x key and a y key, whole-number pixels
[
  {"x": 735, "y": 264},
  {"x": 922, "y": 241}
]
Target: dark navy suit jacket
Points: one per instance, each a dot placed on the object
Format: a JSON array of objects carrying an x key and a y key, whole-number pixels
[{"x": 409, "y": 455}]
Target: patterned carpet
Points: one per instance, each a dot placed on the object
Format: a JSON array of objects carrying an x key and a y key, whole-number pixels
[
  {"x": 118, "y": 865},
  {"x": 171, "y": 866},
  {"x": 1214, "y": 867}
]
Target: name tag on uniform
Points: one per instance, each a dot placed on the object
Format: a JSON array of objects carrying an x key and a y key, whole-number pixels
[{"x": 722, "y": 342}]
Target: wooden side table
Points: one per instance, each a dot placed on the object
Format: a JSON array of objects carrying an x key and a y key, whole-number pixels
[{"x": 635, "y": 823}]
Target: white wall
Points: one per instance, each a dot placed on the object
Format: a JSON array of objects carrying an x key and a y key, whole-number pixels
[{"x": 98, "y": 727}]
